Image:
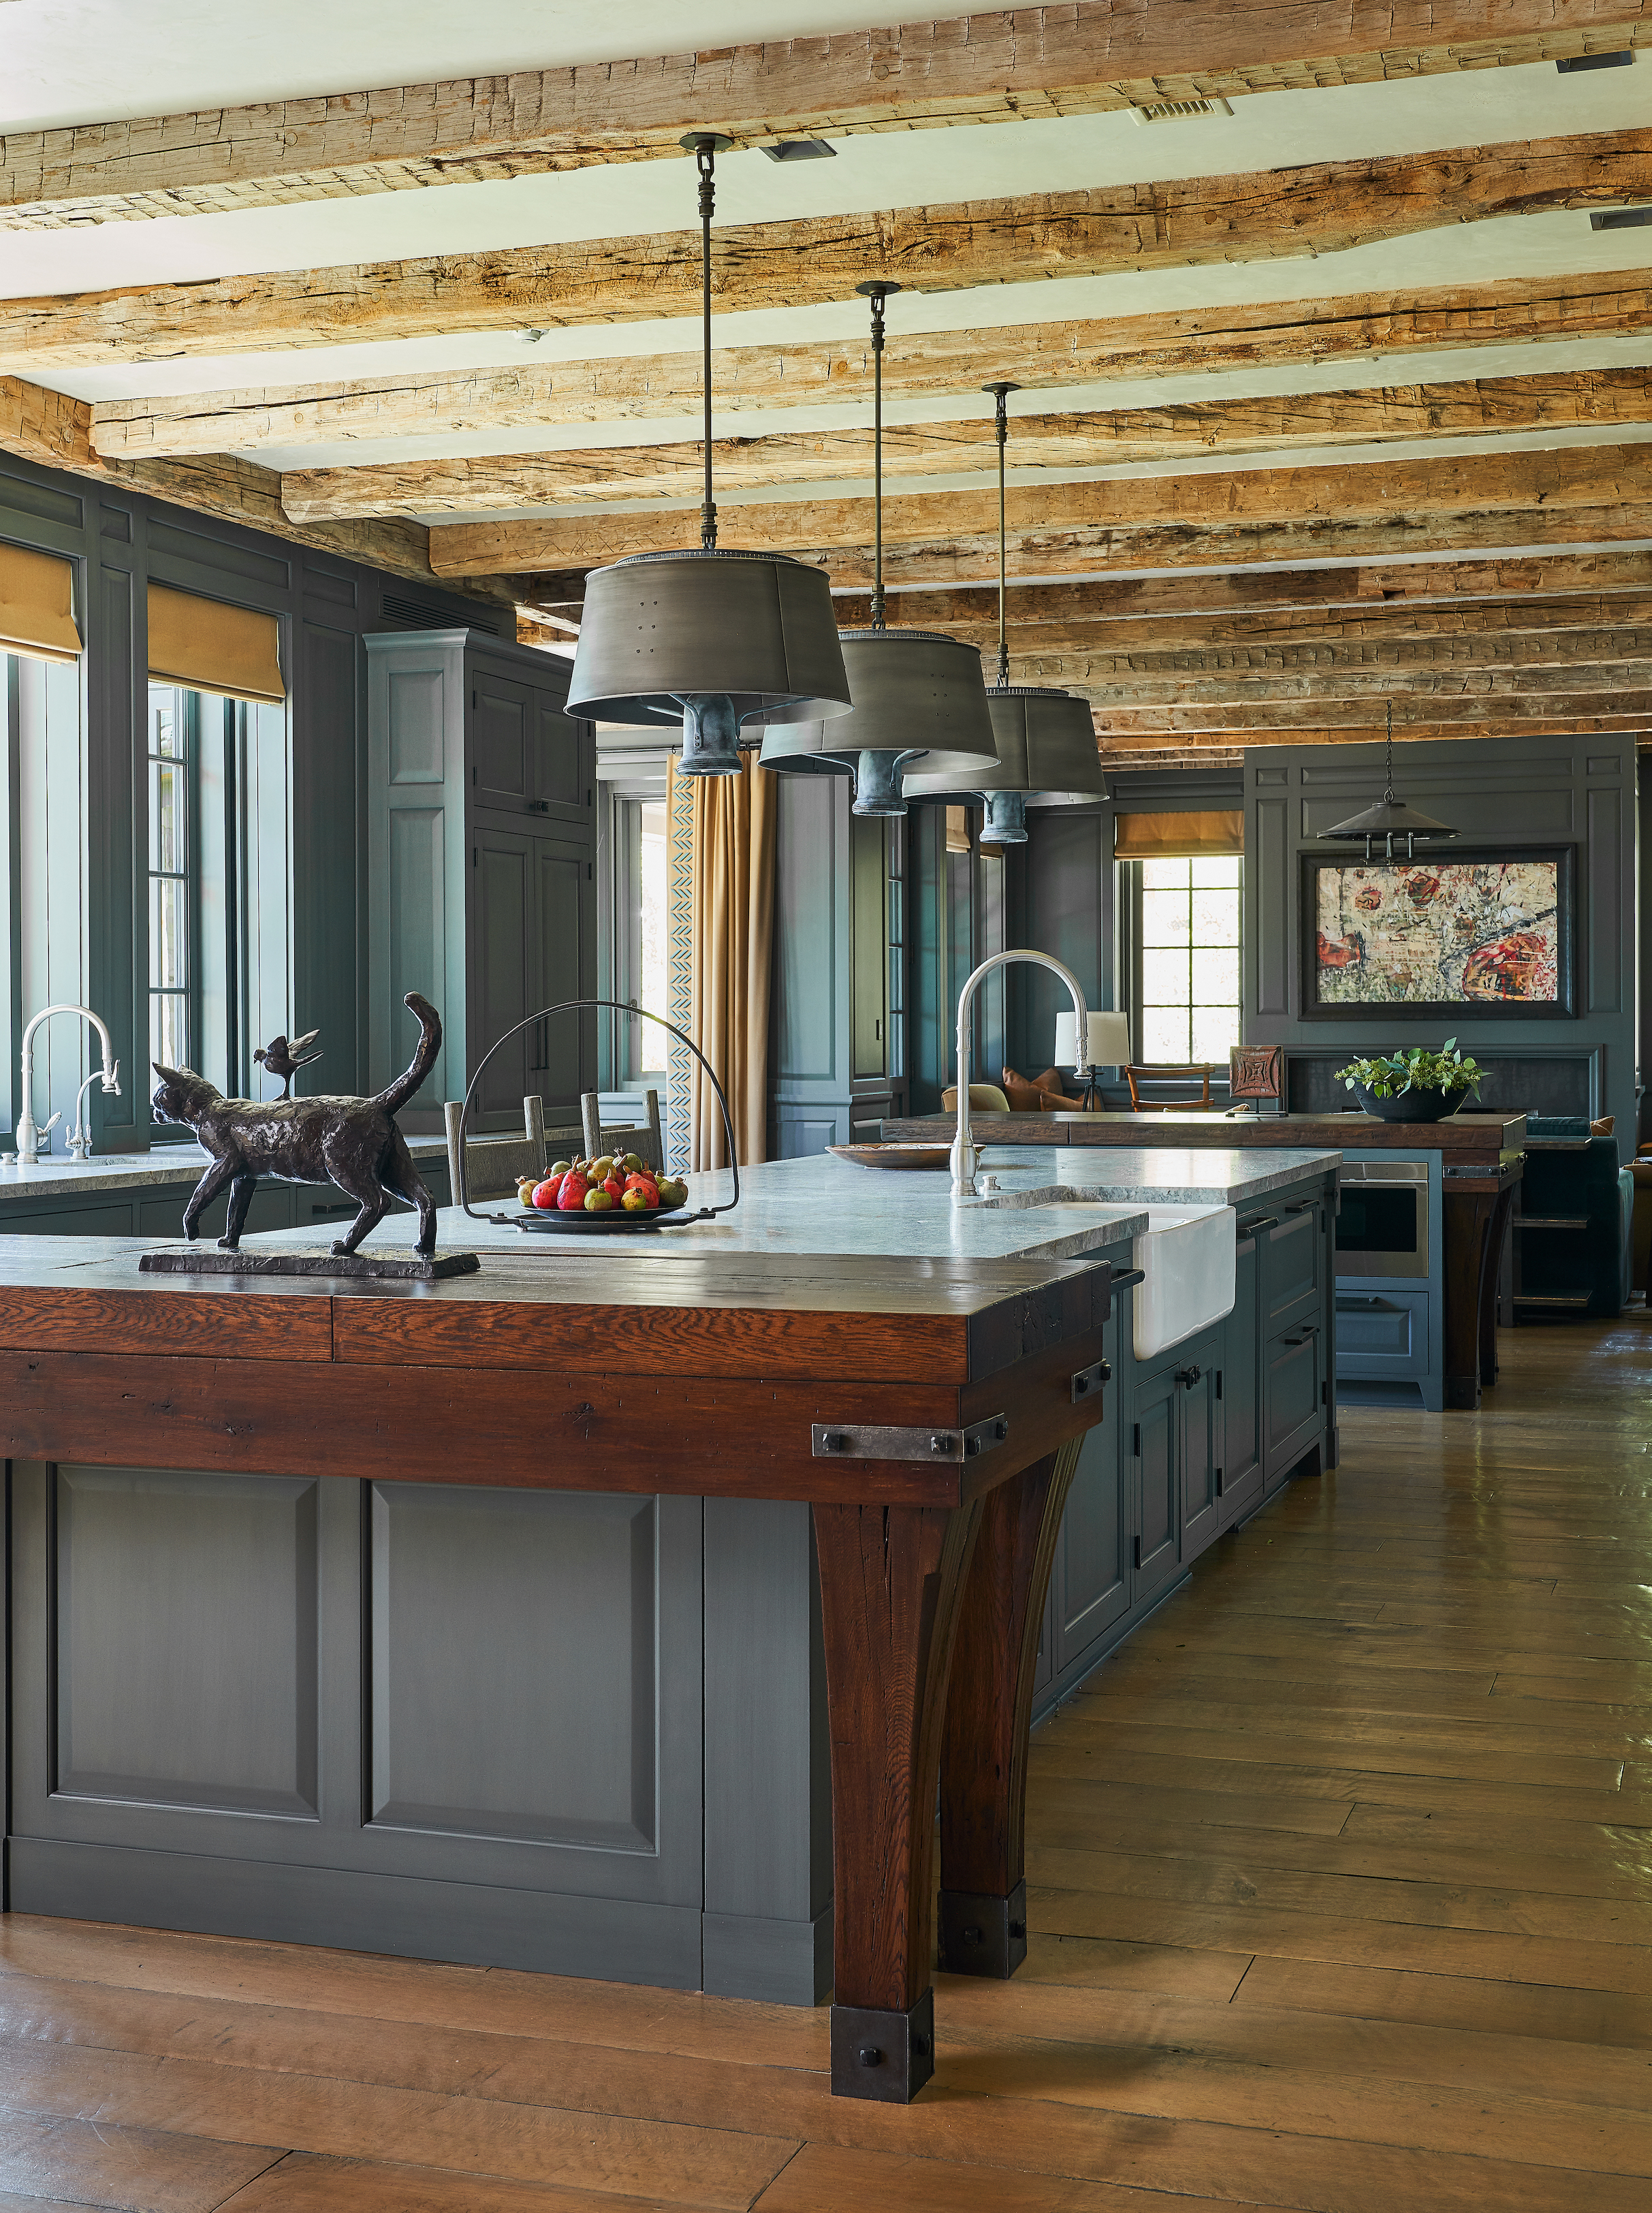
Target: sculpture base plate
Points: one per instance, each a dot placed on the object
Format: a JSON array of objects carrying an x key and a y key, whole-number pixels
[{"x": 353, "y": 1267}]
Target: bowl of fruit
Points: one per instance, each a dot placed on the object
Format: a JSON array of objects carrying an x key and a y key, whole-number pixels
[{"x": 610, "y": 1195}]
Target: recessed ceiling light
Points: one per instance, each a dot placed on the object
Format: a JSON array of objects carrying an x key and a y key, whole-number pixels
[
  {"x": 1179, "y": 111},
  {"x": 1594, "y": 61},
  {"x": 801, "y": 150},
  {"x": 1621, "y": 219}
]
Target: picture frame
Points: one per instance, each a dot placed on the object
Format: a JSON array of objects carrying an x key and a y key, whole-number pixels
[{"x": 1525, "y": 940}]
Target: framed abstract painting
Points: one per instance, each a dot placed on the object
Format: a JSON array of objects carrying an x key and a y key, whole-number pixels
[{"x": 1486, "y": 934}]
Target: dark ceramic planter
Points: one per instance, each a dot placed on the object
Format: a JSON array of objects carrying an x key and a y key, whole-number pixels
[{"x": 1414, "y": 1106}]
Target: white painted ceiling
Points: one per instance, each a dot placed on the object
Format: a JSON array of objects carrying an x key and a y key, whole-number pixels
[{"x": 87, "y": 60}]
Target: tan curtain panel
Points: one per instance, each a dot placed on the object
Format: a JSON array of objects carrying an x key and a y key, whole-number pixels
[
  {"x": 210, "y": 647},
  {"x": 732, "y": 956},
  {"x": 37, "y": 606},
  {"x": 1215, "y": 834}
]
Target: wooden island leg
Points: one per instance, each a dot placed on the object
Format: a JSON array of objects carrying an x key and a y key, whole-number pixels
[
  {"x": 989, "y": 1713},
  {"x": 891, "y": 1578},
  {"x": 1491, "y": 1268},
  {"x": 1468, "y": 1228}
]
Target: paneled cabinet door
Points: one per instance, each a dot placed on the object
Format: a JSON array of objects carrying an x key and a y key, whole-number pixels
[
  {"x": 1292, "y": 1252},
  {"x": 1239, "y": 1392},
  {"x": 527, "y": 756},
  {"x": 1092, "y": 1576},
  {"x": 530, "y": 951},
  {"x": 1201, "y": 1456},
  {"x": 1293, "y": 1397},
  {"x": 1157, "y": 1450}
]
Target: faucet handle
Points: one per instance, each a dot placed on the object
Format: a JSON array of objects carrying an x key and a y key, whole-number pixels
[{"x": 112, "y": 1080}]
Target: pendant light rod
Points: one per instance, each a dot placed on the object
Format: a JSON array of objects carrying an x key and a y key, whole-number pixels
[
  {"x": 877, "y": 293},
  {"x": 706, "y": 146},
  {"x": 1001, "y": 418}
]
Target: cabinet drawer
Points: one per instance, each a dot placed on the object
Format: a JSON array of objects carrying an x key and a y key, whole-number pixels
[
  {"x": 1294, "y": 1363},
  {"x": 1293, "y": 1255},
  {"x": 1382, "y": 1335}
]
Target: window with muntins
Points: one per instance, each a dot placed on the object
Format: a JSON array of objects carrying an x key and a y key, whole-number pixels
[{"x": 1188, "y": 946}]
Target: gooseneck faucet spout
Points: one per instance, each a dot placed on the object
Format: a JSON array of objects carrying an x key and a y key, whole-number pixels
[
  {"x": 963, "y": 1152},
  {"x": 28, "y": 1135}
]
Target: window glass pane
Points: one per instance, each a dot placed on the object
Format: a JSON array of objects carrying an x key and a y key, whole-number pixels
[
  {"x": 1158, "y": 875},
  {"x": 167, "y": 816},
  {"x": 1215, "y": 917},
  {"x": 1164, "y": 916},
  {"x": 1164, "y": 978},
  {"x": 653, "y": 1042},
  {"x": 166, "y": 734},
  {"x": 168, "y": 932},
  {"x": 1214, "y": 872},
  {"x": 169, "y": 1028},
  {"x": 1164, "y": 1034},
  {"x": 1216, "y": 976},
  {"x": 1215, "y": 1029}
]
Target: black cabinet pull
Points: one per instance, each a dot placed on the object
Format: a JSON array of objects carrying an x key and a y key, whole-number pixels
[
  {"x": 1124, "y": 1278},
  {"x": 1189, "y": 1376},
  {"x": 1302, "y": 1205},
  {"x": 1138, "y": 1551},
  {"x": 1263, "y": 1221},
  {"x": 1136, "y": 1448},
  {"x": 1219, "y": 1382},
  {"x": 1218, "y": 1483},
  {"x": 1303, "y": 1335}
]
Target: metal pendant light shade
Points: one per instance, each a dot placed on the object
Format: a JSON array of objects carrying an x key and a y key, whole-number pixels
[
  {"x": 1390, "y": 818},
  {"x": 916, "y": 695},
  {"x": 712, "y": 637},
  {"x": 709, "y": 638},
  {"x": 1046, "y": 758},
  {"x": 918, "y": 698}
]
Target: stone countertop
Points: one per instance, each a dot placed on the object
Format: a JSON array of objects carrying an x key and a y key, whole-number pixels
[
  {"x": 1151, "y": 1175},
  {"x": 821, "y": 1206},
  {"x": 107, "y": 1172}
]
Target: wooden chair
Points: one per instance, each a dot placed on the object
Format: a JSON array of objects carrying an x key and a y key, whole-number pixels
[
  {"x": 644, "y": 1139},
  {"x": 492, "y": 1165},
  {"x": 1196, "y": 1072}
]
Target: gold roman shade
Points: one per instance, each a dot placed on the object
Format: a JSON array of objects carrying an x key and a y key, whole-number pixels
[
  {"x": 210, "y": 647},
  {"x": 37, "y": 606},
  {"x": 1217, "y": 833}
]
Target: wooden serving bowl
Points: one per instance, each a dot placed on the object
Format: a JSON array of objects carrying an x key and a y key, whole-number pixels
[{"x": 913, "y": 1154}]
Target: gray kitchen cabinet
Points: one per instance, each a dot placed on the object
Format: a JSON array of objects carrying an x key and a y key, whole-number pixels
[
  {"x": 481, "y": 869},
  {"x": 1091, "y": 1585},
  {"x": 1239, "y": 1387},
  {"x": 834, "y": 1066},
  {"x": 1156, "y": 1449}
]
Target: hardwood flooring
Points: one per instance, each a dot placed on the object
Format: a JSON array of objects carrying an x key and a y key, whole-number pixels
[{"x": 1341, "y": 1900}]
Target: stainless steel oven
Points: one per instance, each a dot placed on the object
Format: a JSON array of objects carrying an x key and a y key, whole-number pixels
[{"x": 1382, "y": 1218}]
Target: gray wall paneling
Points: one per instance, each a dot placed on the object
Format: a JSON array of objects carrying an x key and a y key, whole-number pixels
[
  {"x": 449, "y": 1721},
  {"x": 1518, "y": 792},
  {"x": 117, "y": 544}
]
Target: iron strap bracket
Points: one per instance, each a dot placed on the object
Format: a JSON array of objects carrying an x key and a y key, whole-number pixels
[
  {"x": 1091, "y": 1378},
  {"x": 844, "y": 1441}
]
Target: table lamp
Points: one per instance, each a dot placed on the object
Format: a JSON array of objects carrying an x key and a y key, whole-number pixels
[{"x": 1109, "y": 1047}]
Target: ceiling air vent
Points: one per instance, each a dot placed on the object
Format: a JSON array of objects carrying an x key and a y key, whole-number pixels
[
  {"x": 1624, "y": 60},
  {"x": 418, "y": 615},
  {"x": 1179, "y": 111},
  {"x": 1621, "y": 219}
]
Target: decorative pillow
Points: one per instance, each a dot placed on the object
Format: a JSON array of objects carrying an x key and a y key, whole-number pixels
[
  {"x": 1024, "y": 1098},
  {"x": 1604, "y": 1127},
  {"x": 1054, "y": 1080}
]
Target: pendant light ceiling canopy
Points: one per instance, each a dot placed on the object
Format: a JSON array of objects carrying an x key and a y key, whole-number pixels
[
  {"x": 1045, "y": 738},
  {"x": 713, "y": 638},
  {"x": 1390, "y": 818},
  {"x": 916, "y": 695}
]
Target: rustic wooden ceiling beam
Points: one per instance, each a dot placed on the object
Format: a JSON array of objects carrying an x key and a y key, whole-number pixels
[
  {"x": 1630, "y": 710},
  {"x": 1364, "y": 508},
  {"x": 1401, "y": 649},
  {"x": 49, "y": 428},
  {"x": 1005, "y": 66},
  {"x": 1305, "y": 333},
  {"x": 1538, "y": 625},
  {"x": 1132, "y": 749},
  {"x": 1602, "y": 681},
  {"x": 1608, "y": 398},
  {"x": 1183, "y": 223}
]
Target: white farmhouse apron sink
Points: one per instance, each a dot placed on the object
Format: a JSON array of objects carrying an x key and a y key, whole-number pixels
[{"x": 1187, "y": 1258}]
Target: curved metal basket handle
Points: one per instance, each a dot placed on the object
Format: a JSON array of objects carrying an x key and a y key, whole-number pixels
[{"x": 624, "y": 1007}]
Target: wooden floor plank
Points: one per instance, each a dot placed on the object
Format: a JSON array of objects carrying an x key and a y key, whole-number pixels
[
  {"x": 66, "y": 2160},
  {"x": 303, "y": 2183}
]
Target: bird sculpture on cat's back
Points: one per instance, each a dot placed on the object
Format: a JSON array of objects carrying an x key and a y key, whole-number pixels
[
  {"x": 353, "y": 1143},
  {"x": 284, "y": 1058}
]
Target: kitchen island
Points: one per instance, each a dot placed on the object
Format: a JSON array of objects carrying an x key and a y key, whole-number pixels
[{"x": 546, "y": 1616}]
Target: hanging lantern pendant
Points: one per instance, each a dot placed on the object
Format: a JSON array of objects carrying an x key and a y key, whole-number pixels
[{"x": 1391, "y": 818}]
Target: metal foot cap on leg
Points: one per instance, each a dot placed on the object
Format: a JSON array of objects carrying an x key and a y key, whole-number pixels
[
  {"x": 981, "y": 1934},
  {"x": 879, "y": 2053}
]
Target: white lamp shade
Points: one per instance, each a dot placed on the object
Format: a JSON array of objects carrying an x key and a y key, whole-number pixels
[{"x": 1109, "y": 1040}]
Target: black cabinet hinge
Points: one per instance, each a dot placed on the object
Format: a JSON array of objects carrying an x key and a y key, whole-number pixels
[
  {"x": 1218, "y": 1382},
  {"x": 474, "y": 856},
  {"x": 1135, "y": 1452},
  {"x": 1218, "y": 1483},
  {"x": 1325, "y": 1395},
  {"x": 1138, "y": 1551}
]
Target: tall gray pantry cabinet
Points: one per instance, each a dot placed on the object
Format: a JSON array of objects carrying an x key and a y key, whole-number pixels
[{"x": 481, "y": 869}]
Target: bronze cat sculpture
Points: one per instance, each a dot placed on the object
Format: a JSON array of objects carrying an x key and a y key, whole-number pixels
[{"x": 353, "y": 1143}]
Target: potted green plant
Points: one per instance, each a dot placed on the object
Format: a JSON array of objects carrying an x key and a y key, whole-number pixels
[{"x": 1418, "y": 1086}]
